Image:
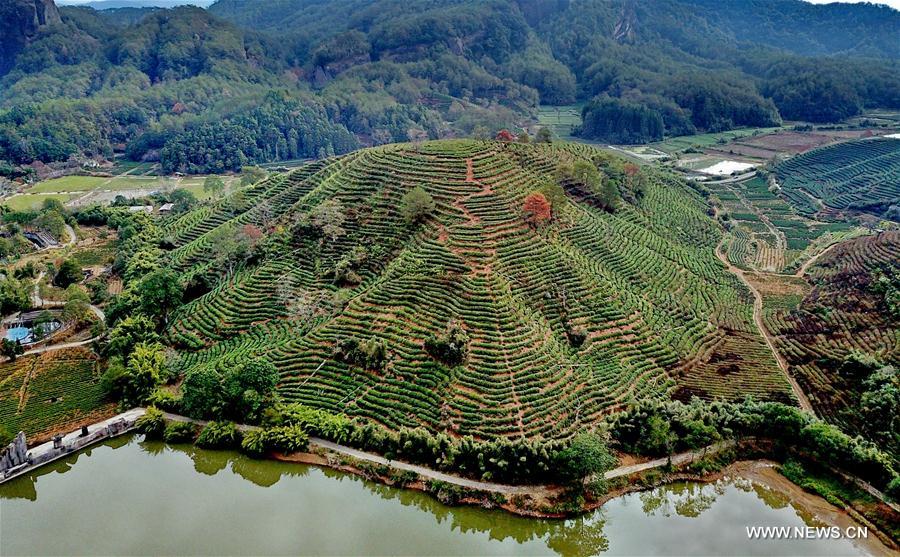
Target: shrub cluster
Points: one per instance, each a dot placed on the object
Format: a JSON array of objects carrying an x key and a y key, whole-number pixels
[
  {"x": 502, "y": 460},
  {"x": 220, "y": 435},
  {"x": 655, "y": 427},
  {"x": 152, "y": 424},
  {"x": 180, "y": 432},
  {"x": 450, "y": 347},
  {"x": 369, "y": 354},
  {"x": 285, "y": 439}
]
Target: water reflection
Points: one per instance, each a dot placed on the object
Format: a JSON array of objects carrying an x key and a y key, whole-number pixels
[
  {"x": 683, "y": 499},
  {"x": 324, "y": 511}
]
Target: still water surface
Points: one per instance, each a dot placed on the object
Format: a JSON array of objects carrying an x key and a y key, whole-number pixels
[{"x": 141, "y": 498}]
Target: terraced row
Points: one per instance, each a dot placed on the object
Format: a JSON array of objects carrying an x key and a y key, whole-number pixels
[
  {"x": 841, "y": 313},
  {"x": 859, "y": 174},
  {"x": 642, "y": 288}
]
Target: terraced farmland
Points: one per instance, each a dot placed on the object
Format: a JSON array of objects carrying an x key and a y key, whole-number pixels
[
  {"x": 768, "y": 234},
  {"x": 566, "y": 322},
  {"x": 859, "y": 175},
  {"x": 841, "y": 312},
  {"x": 55, "y": 390}
]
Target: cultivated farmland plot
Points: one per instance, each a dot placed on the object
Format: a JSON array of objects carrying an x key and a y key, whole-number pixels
[
  {"x": 657, "y": 312},
  {"x": 840, "y": 314},
  {"x": 80, "y": 191},
  {"x": 52, "y": 391},
  {"x": 862, "y": 175},
  {"x": 768, "y": 233}
]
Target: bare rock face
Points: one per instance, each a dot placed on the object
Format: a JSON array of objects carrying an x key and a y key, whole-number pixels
[
  {"x": 20, "y": 21},
  {"x": 14, "y": 454}
]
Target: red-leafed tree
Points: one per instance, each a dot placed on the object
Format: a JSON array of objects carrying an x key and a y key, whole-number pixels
[
  {"x": 631, "y": 169},
  {"x": 252, "y": 232},
  {"x": 537, "y": 208},
  {"x": 505, "y": 135}
]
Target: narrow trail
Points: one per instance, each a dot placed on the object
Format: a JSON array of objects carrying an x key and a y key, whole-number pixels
[
  {"x": 677, "y": 459},
  {"x": 811, "y": 261},
  {"x": 60, "y": 346},
  {"x": 23, "y": 390},
  {"x": 758, "y": 320},
  {"x": 72, "y": 238},
  {"x": 38, "y": 302}
]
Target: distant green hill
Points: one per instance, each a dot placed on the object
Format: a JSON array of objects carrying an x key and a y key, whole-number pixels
[
  {"x": 559, "y": 323},
  {"x": 151, "y": 81}
]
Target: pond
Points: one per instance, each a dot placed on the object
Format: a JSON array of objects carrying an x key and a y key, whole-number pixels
[{"x": 142, "y": 498}]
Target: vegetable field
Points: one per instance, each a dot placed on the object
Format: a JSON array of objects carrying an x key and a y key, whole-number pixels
[{"x": 565, "y": 322}]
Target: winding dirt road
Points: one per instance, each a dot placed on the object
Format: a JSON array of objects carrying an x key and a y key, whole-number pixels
[{"x": 758, "y": 320}]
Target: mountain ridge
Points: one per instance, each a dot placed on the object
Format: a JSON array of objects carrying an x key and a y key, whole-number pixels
[{"x": 149, "y": 82}]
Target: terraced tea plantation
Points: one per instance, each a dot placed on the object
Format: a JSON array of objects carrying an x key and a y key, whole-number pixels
[
  {"x": 52, "y": 391},
  {"x": 768, "y": 234},
  {"x": 841, "y": 313},
  {"x": 859, "y": 175},
  {"x": 565, "y": 322}
]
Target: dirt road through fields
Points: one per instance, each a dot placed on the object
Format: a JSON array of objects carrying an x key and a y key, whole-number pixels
[{"x": 758, "y": 320}]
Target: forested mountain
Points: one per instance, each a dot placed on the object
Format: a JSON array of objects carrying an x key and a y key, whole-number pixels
[
  {"x": 138, "y": 4},
  {"x": 156, "y": 82},
  {"x": 866, "y": 30},
  {"x": 21, "y": 21}
]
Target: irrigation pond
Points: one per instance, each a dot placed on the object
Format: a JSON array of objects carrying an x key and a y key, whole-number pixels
[{"x": 133, "y": 497}]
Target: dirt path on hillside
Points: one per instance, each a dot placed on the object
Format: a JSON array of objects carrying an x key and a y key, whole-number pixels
[
  {"x": 811, "y": 261},
  {"x": 780, "y": 246},
  {"x": 758, "y": 320}
]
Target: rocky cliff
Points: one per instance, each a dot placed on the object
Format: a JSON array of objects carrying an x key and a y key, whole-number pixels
[{"x": 20, "y": 21}]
